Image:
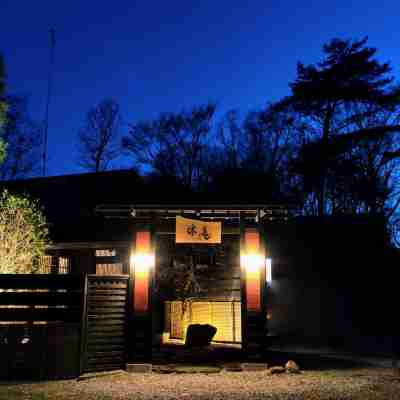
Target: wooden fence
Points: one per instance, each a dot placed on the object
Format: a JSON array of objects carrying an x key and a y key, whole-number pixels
[
  {"x": 40, "y": 326},
  {"x": 59, "y": 326}
]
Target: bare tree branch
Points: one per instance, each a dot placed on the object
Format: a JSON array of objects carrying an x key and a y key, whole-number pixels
[{"x": 98, "y": 139}]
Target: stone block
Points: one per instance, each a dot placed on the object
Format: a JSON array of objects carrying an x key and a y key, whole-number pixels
[
  {"x": 138, "y": 368},
  {"x": 252, "y": 366}
]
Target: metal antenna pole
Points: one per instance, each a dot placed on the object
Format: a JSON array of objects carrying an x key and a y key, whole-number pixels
[{"x": 49, "y": 87}]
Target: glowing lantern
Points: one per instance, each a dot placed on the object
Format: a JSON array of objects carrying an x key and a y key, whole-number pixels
[
  {"x": 252, "y": 261},
  {"x": 143, "y": 262}
]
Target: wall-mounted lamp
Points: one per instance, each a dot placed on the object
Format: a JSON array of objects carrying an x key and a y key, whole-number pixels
[
  {"x": 268, "y": 270},
  {"x": 253, "y": 262},
  {"x": 143, "y": 262}
]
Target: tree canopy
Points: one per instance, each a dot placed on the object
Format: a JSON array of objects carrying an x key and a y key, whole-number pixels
[
  {"x": 3, "y": 109},
  {"x": 97, "y": 144},
  {"x": 175, "y": 144},
  {"x": 347, "y": 106},
  {"x": 331, "y": 146},
  {"x": 23, "y": 138}
]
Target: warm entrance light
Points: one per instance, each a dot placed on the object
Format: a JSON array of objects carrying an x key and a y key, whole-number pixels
[
  {"x": 142, "y": 262},
  {"x": 252, "y": 262}
]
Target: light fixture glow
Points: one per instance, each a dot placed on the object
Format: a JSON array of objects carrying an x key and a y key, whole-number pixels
[
  {"x": 142, "y": 262},
  {"x": 252, "y": 262},
  {"x": 268, "y": 270}
]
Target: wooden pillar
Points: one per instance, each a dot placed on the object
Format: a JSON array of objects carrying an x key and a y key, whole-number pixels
[
  {"x": 55, "y": 263},
  {"x": 253, "y": 290},
  {"x": 142, "y": 261}
]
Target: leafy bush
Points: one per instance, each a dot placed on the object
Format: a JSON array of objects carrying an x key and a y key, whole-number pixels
[{"x": 23, "y": 234}]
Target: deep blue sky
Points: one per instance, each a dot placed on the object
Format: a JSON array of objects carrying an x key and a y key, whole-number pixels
[{"x": 155, "y": 56}]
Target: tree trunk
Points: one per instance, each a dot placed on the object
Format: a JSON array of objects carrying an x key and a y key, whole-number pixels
[{"x": 324, "y": 167}]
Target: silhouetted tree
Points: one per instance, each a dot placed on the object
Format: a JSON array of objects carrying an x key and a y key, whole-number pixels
[
  {"x": 271, "y": 141},
  {"x": 3, "y": 109},
  {"x": 251, "y": 154},
  {"x": 98, "y": 140},
  {"x": 23, "y": 138},
  {"x": 175, "y": 144},
  {"x": 371, "y": 183},
  {"x": 231, "y": 141},
  {"x": 224, "y": 156},
  {"x": 337, "y": 101}
]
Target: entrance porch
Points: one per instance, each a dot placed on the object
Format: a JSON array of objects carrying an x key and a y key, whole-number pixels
[{"x": 229, "y": 287}]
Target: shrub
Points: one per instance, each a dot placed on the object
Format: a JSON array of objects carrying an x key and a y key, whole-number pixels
[{"x": 23, "y": 234}]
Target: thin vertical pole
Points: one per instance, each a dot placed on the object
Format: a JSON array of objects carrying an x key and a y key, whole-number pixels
[{"x": 49, "y": 87}]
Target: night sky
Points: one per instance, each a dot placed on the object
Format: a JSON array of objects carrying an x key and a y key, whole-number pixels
[{"x": 155, "y": 56}]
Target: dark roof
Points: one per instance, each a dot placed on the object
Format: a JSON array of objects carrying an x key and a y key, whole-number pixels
[
  {"x": 77, "y": 195},
  {"x": 70, "y": 201}
]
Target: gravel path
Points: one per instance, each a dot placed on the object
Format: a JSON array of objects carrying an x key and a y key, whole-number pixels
[{"x": 359, "y": 384}]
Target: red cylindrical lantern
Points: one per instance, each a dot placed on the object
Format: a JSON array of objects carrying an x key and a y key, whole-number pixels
[
  {"x": 252, "y": 261},
  {"x": 143, "y": 261}
]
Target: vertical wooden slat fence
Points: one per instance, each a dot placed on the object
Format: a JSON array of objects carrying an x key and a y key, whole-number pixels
[
  {"x": 40, "y": 326},
  {"x": 104, "y": 323}
]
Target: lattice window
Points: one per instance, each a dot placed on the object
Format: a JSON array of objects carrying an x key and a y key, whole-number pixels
[
  {"x": 49, "y": 264},
  {"x": 109, "y": 269},
  {"x": 224, "y": 315},
  {"x": 64, "y": 265},
  {"x": 106, "y": 253},
  {"x": 45, "y": 264}
]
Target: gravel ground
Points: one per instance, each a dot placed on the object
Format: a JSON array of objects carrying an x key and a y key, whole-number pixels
[{"x": 358, "y": 383}]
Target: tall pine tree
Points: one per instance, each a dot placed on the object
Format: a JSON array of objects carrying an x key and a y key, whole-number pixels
[{"x": 341, "y": 101}]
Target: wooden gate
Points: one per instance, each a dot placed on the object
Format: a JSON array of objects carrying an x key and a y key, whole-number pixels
[{"x": 104, "y": 323}]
